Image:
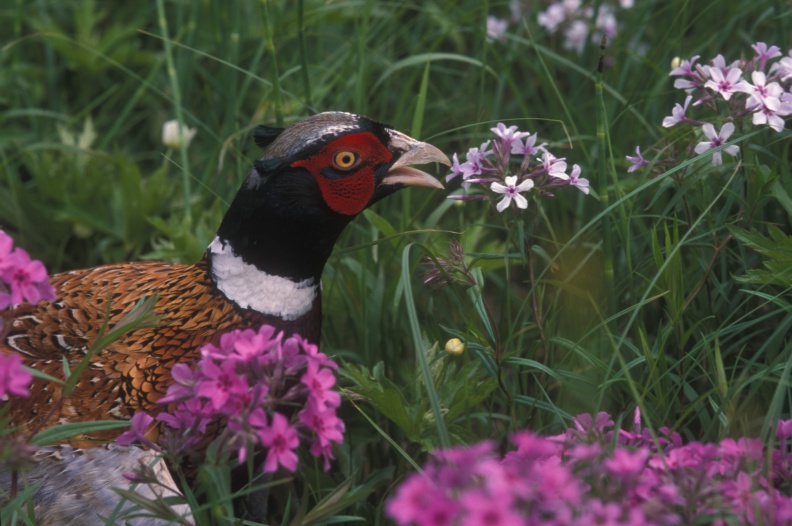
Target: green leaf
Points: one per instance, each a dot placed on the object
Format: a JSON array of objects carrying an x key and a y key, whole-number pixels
[
  {"x": 777, "y": 248},
  {"x": 383, "y": 395},
  {"x": 65, "y": 431}
]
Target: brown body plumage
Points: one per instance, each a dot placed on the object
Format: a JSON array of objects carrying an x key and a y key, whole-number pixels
[{"x": 134, "y": 371}]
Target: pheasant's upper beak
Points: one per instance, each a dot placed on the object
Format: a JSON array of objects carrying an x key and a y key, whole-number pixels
[{"x": 414, "y": 152}]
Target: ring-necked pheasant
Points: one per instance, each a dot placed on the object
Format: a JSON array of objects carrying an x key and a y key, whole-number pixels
[{"x": 263, "y": 266}]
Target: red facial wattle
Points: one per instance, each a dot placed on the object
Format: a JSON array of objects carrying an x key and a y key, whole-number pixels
[{"x": 347, "y": 191}]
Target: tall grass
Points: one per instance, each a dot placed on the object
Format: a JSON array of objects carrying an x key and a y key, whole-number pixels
[{"x": 676, "y": 328}]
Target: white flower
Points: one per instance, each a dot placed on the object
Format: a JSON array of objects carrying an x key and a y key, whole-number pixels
[
  {"x": 512, "y": 191},
  {"x": 717, "y": 139},
  {"x": 730, "y": 83},
  {"x": 172, "y": 137}
]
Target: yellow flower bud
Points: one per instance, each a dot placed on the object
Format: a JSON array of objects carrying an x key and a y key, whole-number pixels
[
  {"x": 675, "y": 62},
  {"x": 454, "y": 346}
]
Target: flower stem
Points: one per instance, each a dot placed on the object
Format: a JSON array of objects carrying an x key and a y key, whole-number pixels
[{"x": 607, "y": 239}]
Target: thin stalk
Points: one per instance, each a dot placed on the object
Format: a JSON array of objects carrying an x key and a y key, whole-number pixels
[
  {"x": 276, "y": 88},
  {"x": 174, "y": 80},
  {"x": 303, "y": 54},
  {"x": 607, "y": 238}
]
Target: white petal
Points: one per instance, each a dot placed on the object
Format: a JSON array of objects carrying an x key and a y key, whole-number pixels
[
  {"x": 525, "y": 185},
  {"x": 498, "y": 188},
  {"x": 733, "y": 76},
  {"x": 709, "y": 131},
  {"x": 503, "y": 203},
  {"x": 521, "y": 201},
  {"x": 702, "y": 147},
  {"x": 511, "y": 180},
  {"x": 726, "y": 131},
  {"x": 732, "y": 150}
]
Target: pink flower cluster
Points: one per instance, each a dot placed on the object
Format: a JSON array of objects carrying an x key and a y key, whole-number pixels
[
  {"x": 574, "y": 19},
  {"x": 492, "y": 165},
  {"x": 268, "y": 391},
  {"x": 21, "y": 279},
  {"x": 723, "y": 88},
  {"x": 588, "y": 475}
]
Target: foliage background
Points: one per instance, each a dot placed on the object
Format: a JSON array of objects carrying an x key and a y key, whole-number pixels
[{"x": 688, "y": 327}]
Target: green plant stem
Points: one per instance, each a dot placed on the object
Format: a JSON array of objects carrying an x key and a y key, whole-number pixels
[
  {"x": 177, "y": 106},
  {"x": 276, "y": 87},
  {"x": 303, "y": 53},
  {"x": 605, "y": 225}
]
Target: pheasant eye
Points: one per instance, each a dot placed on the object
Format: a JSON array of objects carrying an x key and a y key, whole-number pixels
[{"x": 345, "y": 160}]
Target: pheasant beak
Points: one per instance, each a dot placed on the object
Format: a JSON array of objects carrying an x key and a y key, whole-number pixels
[{"x": 413, "y": 152}]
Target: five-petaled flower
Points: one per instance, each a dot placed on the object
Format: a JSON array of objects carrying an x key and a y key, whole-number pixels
[
  {"x": 281, "y": 440},
  {"x": 716, "y": 140},
  {"x": 511, "y": 191},
  {"x": 21, "y": 278},
  {"x": 727, "y": 84}
]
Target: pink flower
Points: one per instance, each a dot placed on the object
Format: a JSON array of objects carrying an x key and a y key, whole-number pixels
[
  {"x": 496, "y": 28},
  {"x": 475, "y": 159},
  {"x": 488, "y": 510},
  {"x": 328, "y": 428},
  {"x": 509, "y": 135},
  {"x": 625, "y": 463},
  {"x": 554, "y": 166},
  {"x": 637, "y": 162},
  {"x": 576, "y": 36},
  {"x": 281, "y": 440},
  {"x": 137, "y": 432},
  {"x": 678, "y": 114},
  {"x": 27, "y": 279},
  {"x": 763, "y": 54},
  {"x": 14, "y": 379},
  {"x": 783, "y": 68},
  {"x": 456, "y": 169},
  {"x": 784, "y": 430},
  {"x": 6, "y": 246},
  {"x": 716, "y": 140},
  {"x": 320, "y": 383},
  {"x": 193, "y": 414},
  {"x": 576, "y": 180},
  {"x": 411, "y": 500},
  {"x": 220, "y": 383},
  {"x": 686, "y": 68},
  {"x": 727, "y": 85},
  {"x": 527, "y": 149},
  {"x": 553, "y": 17}
]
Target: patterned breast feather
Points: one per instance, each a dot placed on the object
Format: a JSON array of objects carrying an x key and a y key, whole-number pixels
[{"x": 134, "y": 371}]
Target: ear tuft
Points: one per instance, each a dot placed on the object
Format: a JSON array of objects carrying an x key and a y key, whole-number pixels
[
  {"x": 264, "y": 135},
  {"x": 266, "y": 167}
]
